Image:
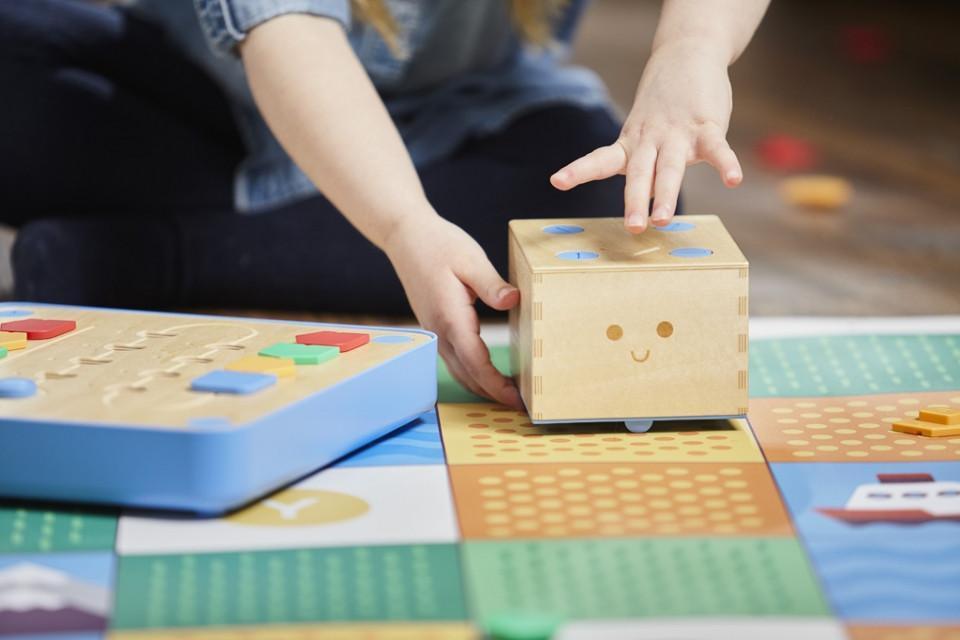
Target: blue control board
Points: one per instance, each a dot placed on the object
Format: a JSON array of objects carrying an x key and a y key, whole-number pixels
[{"x": 190, "y": 412}]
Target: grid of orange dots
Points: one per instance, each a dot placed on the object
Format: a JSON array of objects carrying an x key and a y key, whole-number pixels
[
  {"x": 589, "y": 500},
  {"x": 903, "y": 633},
  {"x": 849, "y": 428},
  {"x": 484, "y": 433}
]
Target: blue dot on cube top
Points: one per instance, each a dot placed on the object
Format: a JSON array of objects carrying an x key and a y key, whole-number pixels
[
  {"x": 393, "y": 339},
  {"x": 677, "y": 226},
  {"x": 691, "y": 252},
  {"x": 563, "y": 229},
  {"x": 579, "y": 254},
  {"x": 17, "y": 387},
  {"x": 237, "y": 382}
]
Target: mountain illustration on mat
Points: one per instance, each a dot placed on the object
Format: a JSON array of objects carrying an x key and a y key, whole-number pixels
[
  {"x": 901, "y": 498},
  {"x": 39, "y": 599}
]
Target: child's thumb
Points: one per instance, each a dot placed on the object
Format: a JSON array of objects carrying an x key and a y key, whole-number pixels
[{"x": 495, "y": 292}]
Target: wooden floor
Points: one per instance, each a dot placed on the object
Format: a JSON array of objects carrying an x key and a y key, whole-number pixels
[{"x": 891, "y": 128}]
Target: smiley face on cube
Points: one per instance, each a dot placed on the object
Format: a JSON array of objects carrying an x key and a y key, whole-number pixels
[{"x": 618, "y": 327}]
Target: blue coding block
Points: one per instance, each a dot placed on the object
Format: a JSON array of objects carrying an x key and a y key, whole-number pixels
[{"x": 239, "y": 382}]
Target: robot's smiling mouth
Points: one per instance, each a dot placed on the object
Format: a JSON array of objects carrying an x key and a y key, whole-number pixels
[{"x": 644, "y": 358}]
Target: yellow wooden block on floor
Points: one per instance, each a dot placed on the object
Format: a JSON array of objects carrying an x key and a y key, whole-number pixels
[
  {"x": 940, "y": 416},
  {"x": 613, "y": 325},
  {"x": 929, "y": 429},
  {"x": 816, "y": 192},
  {"x": 280, "y": 367},
  {"x": 12, "y": 340}
]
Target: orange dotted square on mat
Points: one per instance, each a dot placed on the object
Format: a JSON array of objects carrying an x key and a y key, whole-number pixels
[
  {"x": 488, "y": 433},
  {"x": 862, "y": 632},
  {"x": 590, "y": 500},
  {"x": 849, "y": 428}
]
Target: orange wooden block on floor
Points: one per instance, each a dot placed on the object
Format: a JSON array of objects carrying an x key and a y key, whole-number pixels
[
  {"x": 928, "y": 429},
  {"x": 39, "y": 329},
  {"x": 344, "y": 340},
  {"x": 816, "y": 192},
  {"x": 940, "y": 415}
]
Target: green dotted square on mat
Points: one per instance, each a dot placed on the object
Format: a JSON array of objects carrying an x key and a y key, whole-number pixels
[
  {"x": 828, "y": 365},
  {"x": 3, "y": 353},
  {"x": 625, "y": 578},
  {"x": 419, "y": 582},
  {"x": 853, "y": 365},
  {"x": 25, "y": 530},
  {"x": 301, "y": 353},
  {"x": 449, "y": 390}
]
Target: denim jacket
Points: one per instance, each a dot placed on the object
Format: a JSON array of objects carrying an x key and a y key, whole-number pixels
[{"x": 433, "y": 120}]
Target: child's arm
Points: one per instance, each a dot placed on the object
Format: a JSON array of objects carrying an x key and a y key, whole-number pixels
[
  {"x": 321, "y": 105},
  {"x": 681, "y": 110}
]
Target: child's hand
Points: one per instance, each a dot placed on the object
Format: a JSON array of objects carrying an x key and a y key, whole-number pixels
[
  {"x": 444, "y": 271},
  {"x": 679, "y": 117}
]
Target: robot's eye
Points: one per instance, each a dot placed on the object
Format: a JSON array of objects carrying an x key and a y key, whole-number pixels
[
  {"x": 614, "y": 332},
  {"x": 664, "y": 329}
]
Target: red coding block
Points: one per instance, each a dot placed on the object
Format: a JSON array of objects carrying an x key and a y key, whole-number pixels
[
  {"x": 39, "y": 329},
  {"x": 345, "y": 341}
]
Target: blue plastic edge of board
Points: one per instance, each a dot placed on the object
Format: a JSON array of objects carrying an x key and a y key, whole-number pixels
[{"x": 211, "y": 470}]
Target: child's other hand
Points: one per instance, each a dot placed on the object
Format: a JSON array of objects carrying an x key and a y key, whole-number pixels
[
  {"x": 679, "y": 117},
  {"x": 444, "y": 271}
]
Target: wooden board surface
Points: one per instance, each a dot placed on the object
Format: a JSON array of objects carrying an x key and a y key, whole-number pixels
[{"x": 135, "y": 368}]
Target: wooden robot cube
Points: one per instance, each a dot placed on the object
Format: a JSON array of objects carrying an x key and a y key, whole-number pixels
[{"x": 613, "y": 326}]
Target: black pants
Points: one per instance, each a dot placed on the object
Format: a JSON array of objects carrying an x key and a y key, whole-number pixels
[{"x": 117, "y": 158}]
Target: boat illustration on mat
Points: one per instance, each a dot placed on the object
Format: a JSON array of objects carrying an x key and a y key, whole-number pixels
[{"x": 902, "y": 498}]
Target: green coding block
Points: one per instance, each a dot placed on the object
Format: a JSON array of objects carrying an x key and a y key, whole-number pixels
[{"x": 301, "y": 353}]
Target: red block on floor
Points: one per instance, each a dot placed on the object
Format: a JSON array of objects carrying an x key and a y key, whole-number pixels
[
  {"x": 346, "y": 341},
  {"x": 866, "y": 43},
  {"x": 38, "y": 329},
  {"x": 786, "y": 153}
]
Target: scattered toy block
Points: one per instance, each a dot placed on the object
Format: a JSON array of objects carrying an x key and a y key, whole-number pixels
[
  {"x": 940, "y": 416},
  {"x": 613, "y": 326},
  {"x": 928, "y": 429},
  {"x": 3, "y": 353},
  {"x": 786, "y": 153},
  {"x": 301, "y": 353},
  {"x": 903, "y": 478},
  {"x": 816, "y": 192},
  {"x": 236, "y": 382},
  {"x": 521, "y": 626},
  {"x": 40, "y": 329},
  {"x": 12, "y": 340},
  {"x": 17, "y": 387},
  {"x": 280, "y": 367},
  {"x": 344, "y": 340}
]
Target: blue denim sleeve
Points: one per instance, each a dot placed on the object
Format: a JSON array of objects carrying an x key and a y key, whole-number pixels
[{"x": 225, "y": 23}]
